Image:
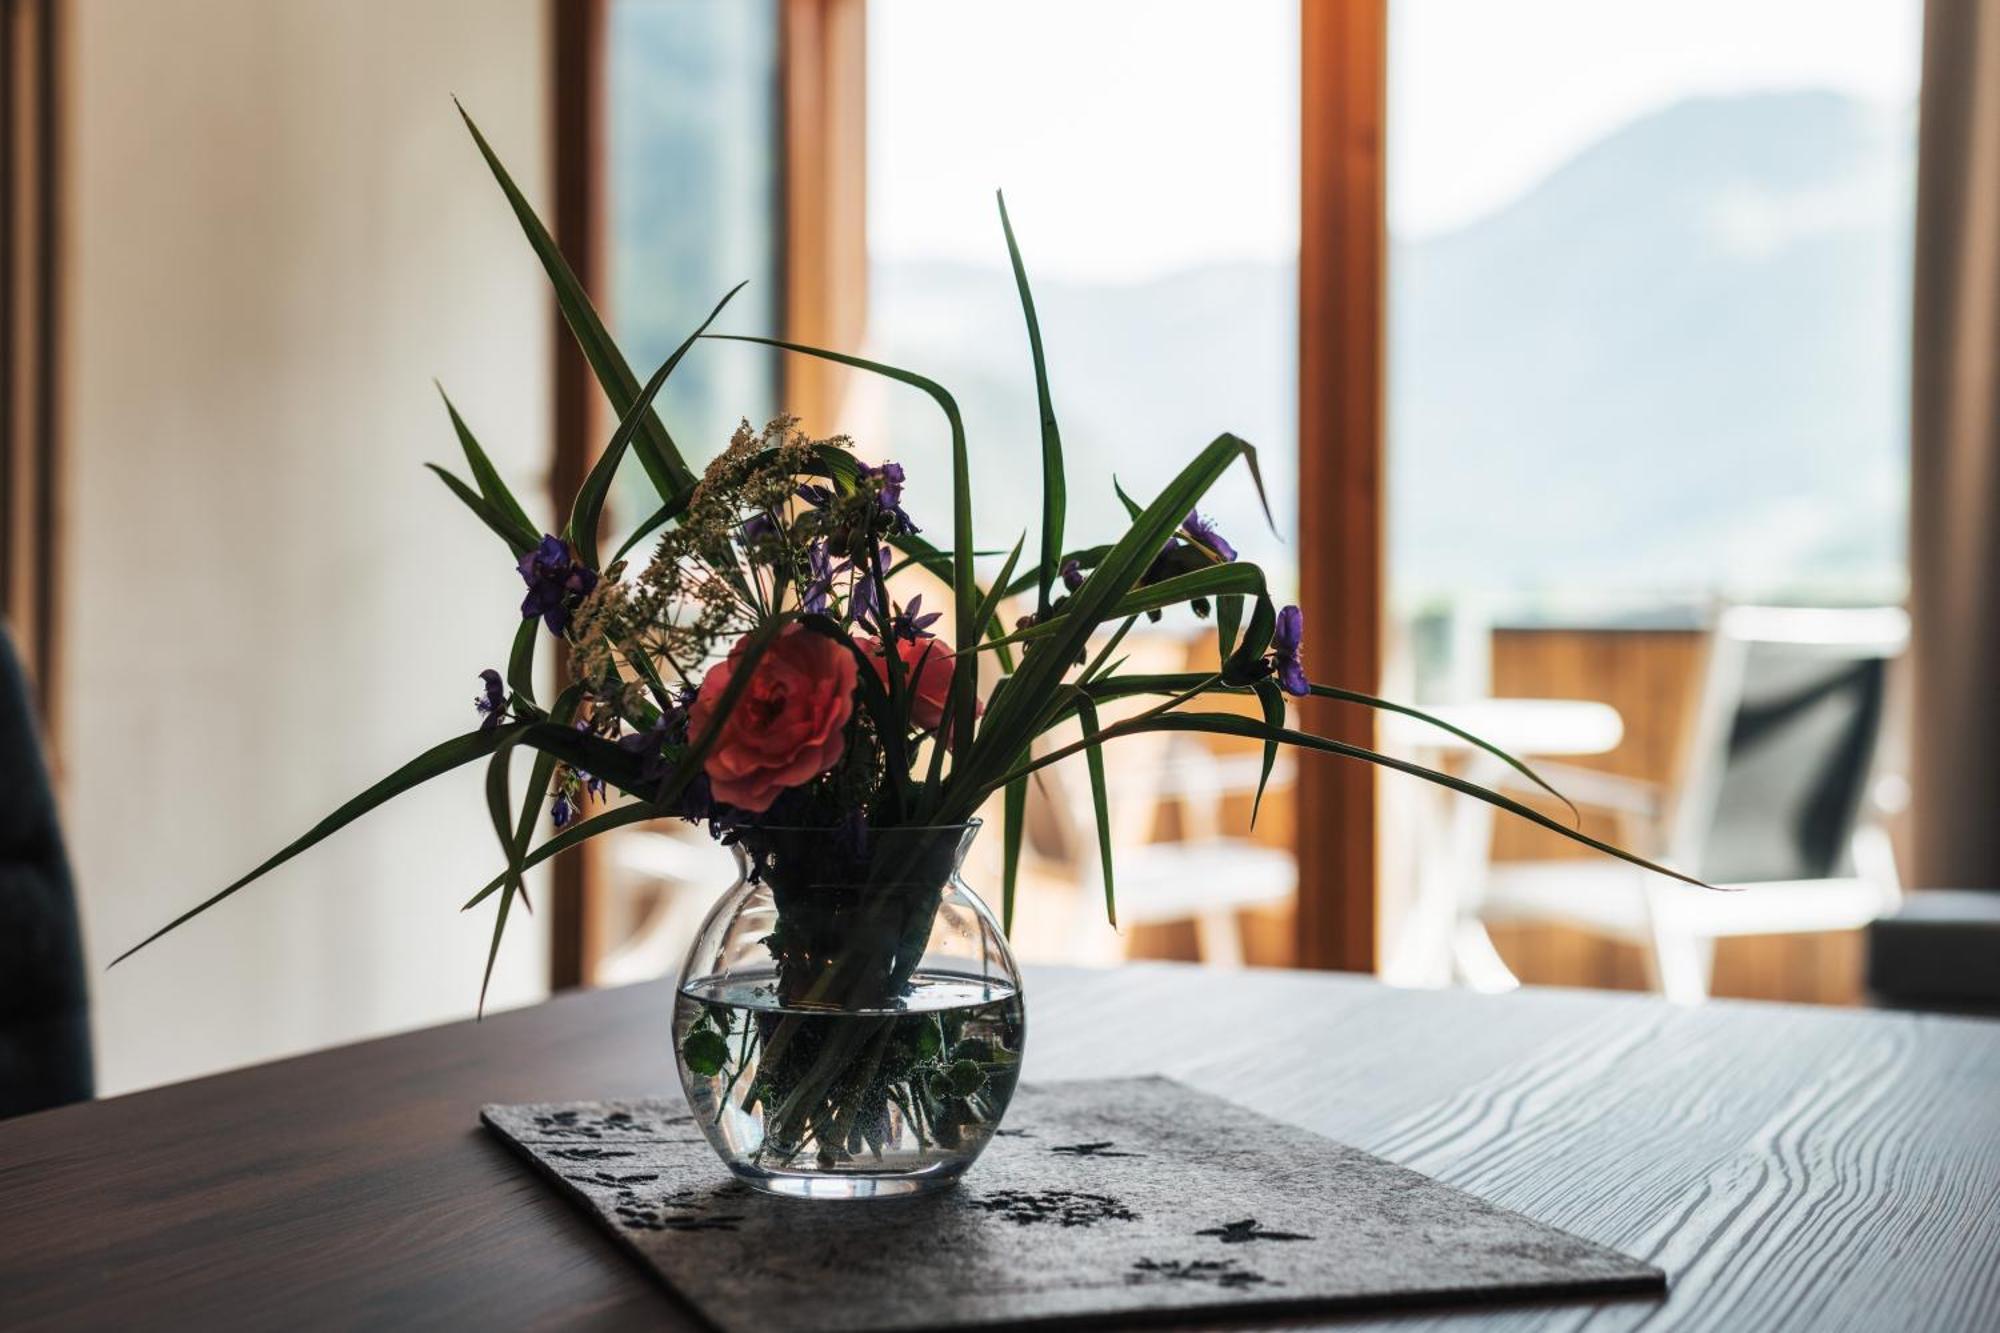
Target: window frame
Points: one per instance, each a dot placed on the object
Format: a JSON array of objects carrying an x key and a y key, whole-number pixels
[{"x": 1342, "y": 248}]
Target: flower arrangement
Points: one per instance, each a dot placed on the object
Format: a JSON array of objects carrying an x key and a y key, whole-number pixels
[{"x": 766, "y": 671}]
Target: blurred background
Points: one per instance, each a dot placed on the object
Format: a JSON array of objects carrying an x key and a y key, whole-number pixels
[{"x": 1584, "y": 347}]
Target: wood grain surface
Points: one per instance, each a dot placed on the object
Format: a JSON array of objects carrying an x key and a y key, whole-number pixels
[{"x": 1790, "y": 1168}]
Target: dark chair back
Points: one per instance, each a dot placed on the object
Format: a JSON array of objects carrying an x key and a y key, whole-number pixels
[
  {"x": 1797, "y": 740},
  {"x": 44, "y": 1006}
]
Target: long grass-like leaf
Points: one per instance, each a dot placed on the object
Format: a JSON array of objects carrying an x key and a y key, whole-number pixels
[
  {"x": 1055, "y": 496},
  {"x": 638, "y": 812},
  {"x": 1237, "y": 577},
  {"x": 1228, "y": 623},
  {"x": 1086, "y": 558},
  {"x": 584, "y": 516},
  {"x": 1013, "y": 824},
  {"x": 1175, "y": 682},
  {"x": 989, "y": 605},
  {"x": 521, "y": 660},
  {"x": 1232, "y": 724},
  {"x": 488, "y": 478},
  {"x": 514, "y": 841},
  {"x": 1102, "y": 664},
  {"x": 1389, "y": 706},
  {"x": 437, "y": 760},
  {"x": 497, "y": 802},
  {"x": 519, "y": 540},
  {"x": 1132, "y": 506},
  {"x": 1018, "y": 714},
  {"x": 654, "y": 521},
  {"x": 669, "y": 472},
  {"x": 1086, "y": 713},
  {"x": 1273, "y": 700}
]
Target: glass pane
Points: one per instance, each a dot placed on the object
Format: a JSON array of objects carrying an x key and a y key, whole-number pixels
[
  {"x": 1150, "y": 160},
  {"x": 693, "y": 183},
  {"x": 693, "y": 188},
  {"x": 1648, "y": 311}
]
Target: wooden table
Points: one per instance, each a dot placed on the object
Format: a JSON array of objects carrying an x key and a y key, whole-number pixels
[{"x": 1790, "y": 1168}]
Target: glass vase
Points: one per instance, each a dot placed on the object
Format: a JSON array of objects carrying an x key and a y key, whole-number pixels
[{"x": 849, "y": 1021}]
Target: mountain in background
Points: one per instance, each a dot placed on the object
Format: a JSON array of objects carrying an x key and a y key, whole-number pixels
[{"x": 1677, "y": 366}]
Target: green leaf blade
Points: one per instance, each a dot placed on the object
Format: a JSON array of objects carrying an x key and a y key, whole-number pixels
[
  {"x": 434, "y": 762},
  {"x": 1013, "y": 824},
  {"x": 1055, "y": 498},
  {"x": 1100, "y": 804},
  {"x": 668, "y": 471},
  {"x": 491, "y": 485},
  {"x": 519, "y": 540},
  {"x": 588, "y": 510}
]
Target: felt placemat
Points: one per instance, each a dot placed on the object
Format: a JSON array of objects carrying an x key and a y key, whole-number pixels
[{"x": 1099, "y": 1201}]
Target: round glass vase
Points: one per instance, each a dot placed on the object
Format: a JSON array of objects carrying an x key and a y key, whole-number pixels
[{"x": 849, "y": 1021}]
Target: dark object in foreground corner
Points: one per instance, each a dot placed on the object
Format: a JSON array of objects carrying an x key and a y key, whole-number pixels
[
  {"x": 44, "y": 1008},
  {"x": 1941, "y": 950}
]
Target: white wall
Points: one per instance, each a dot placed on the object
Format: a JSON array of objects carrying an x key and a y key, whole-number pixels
[{"x": 276, "y": 233}]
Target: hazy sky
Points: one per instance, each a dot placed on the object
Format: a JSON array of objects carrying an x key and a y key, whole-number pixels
[
  {"x": 1487, "y": 96},
  {"x": 1135, "y": 137}
]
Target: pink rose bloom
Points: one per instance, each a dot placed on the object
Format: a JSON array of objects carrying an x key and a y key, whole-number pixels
[
  {"x": 788, "y": 726},
  {"x": 927, "y": 666}
]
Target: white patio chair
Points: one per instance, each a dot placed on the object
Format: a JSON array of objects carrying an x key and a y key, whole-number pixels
[
  {"x": 1204, "y": 877},
  {"x": 1775, "y": 804}
]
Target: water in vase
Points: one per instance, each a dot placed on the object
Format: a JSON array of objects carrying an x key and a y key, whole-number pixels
[{"x": 843, "y": 1103}]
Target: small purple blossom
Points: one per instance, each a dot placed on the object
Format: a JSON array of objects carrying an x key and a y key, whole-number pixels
[
  {"x": 492, "y": 703},
  {"x": 890, "y": 494},
  {"x": 1286, "y": 643},
  {"x": 908, "y": 624},
  {"x": 592, "y": 784},
  {"x": 1204, "y": 532},
  {"x": 814, "y": 494},
  {"x": 563, "y": 810},
  {"x": 1072, "y": 574},
  {"x": 864, "y": 604},
  {"x": 813, "y": 597},
  {"x": 758, "y": 528},
  {"x": 556, "y": 581}
]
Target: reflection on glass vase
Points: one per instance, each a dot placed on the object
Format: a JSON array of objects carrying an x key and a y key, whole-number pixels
[{"x": 849, "y": 1021}]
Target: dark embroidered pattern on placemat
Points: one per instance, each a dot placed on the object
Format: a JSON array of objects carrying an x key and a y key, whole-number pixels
[
  {"x": 1241, "y": 1233},
  {"x": 1102, "y": 1199},
  {"x": 1065, "y": 1208},
  {"x": 1221, "y": 1272}
]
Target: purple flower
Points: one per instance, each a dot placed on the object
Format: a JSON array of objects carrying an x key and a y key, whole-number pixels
[
  {"x": 1072, "y": 574},
  {"x": 648, "y": 746},
  {"x": 1285, "y": 652},
  {"x": 813, "y": 597},
  {"x": 563, "y": 810},
  {"x": 814, "y": 494},
  {"x": 759, "y": 527},
  {"x": 863, "y": 604},
  {"x": 592, "y": 784},
  {"x": 556, "y": 581},
  {"x": 1204, "y": 532},
  {"x": 907, "y": 624},
  {"x": 493, "y": 703},
  {"x": 889, "y": 495}
]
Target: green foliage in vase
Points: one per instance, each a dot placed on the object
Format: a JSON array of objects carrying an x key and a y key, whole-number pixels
[{"x": 765, "y": 668}]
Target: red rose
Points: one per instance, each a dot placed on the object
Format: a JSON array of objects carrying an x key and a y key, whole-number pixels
[
  {"x": 927, "y": 666},
  {"x": 789, "y": 724}
]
